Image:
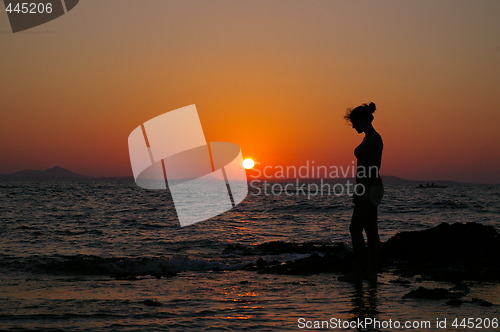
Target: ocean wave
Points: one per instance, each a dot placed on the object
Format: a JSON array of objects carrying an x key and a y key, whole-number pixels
[
  {"x": 116, "y": 266},
  {"x": 449, "y": 204},
  {"x": 233, "y": 257},
  {"x": 281, "y": 247},
  {"x": 308, "y": 206}
]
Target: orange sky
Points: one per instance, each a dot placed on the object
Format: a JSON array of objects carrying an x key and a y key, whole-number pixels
[{"x": 274, "y": 77}]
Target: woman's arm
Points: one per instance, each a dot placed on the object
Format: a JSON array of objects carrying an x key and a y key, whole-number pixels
[{"x": 375, "y": 147}]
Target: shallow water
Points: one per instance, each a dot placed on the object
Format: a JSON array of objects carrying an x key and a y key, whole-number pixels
[{"x": 63, "y": 244}]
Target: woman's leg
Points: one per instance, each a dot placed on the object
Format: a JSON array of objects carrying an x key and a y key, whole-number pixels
[
  {"x": 373, "y": 240},
  {"x": 358, "y": 241}
]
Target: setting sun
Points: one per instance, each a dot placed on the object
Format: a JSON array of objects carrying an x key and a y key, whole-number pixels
[{"x": 248, "y": 163}]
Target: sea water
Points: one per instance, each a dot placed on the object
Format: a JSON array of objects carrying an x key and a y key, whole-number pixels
[{"x": 107, "y": 255}]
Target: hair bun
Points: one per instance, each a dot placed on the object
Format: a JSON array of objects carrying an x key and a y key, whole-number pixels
[{"x": 372, "y": 107}]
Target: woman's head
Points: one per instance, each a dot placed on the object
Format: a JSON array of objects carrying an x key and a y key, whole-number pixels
[{"x": 361, "y": 117}]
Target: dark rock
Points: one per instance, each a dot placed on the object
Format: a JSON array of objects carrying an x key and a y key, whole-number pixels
[
  {"x": 446, "y": 252},
  {"x": 454, "y": 302},
  {"x": 312, "y": 264},
  {"x": 481, "y": 302},
  {"x": 323, "y": 258},
  {"x": 261, "y": 262},
  {"x": 279, "y": 247},
  {"x": 424, "y": 293},
  {"x": 460, "y": 287},
  {"x": 238, "y": 249}
]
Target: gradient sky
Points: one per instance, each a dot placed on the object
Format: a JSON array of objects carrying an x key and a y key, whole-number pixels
[{"x": 274, "y": 77}]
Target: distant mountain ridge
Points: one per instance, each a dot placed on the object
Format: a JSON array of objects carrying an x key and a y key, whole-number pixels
[
  {"x": 54, "y": 173},
  {"x": 60, "y": 173}
]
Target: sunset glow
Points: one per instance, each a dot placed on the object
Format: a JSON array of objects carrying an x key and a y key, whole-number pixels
[
  {"x": 288, "y": 89},
  {"x": 248, "y": 163}
]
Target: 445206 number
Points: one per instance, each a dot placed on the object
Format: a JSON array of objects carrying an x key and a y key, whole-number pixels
[{"x": 29, "y": 8}]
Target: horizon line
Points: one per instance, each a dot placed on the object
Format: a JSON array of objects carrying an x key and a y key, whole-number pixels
[{"x": 40, "y": 172}]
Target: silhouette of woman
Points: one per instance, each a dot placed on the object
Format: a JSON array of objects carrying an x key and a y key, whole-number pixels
[{"x": 367, "y": 197}]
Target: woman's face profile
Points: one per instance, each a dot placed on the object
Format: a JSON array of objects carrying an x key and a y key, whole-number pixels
[{"x": 358, "y": 126}]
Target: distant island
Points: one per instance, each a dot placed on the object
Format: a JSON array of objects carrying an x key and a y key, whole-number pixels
[
  {"x": 58, "y": 173},
  {"x": 54, "y": 173}
]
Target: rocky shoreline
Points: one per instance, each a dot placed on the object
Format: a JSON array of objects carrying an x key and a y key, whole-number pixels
[
  {"x": 456, "y": 252},
  {"x": 463, "y": 254}
]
